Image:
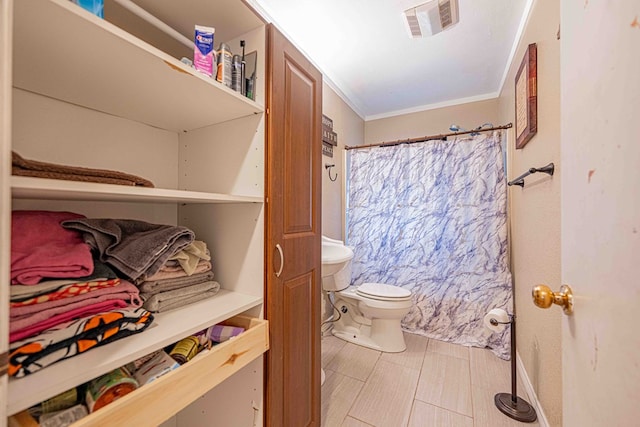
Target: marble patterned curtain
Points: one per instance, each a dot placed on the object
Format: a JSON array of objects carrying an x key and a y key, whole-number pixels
[{"x": 431, "y": 217}]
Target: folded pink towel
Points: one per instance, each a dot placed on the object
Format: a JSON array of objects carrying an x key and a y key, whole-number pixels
[
  {"x": 41, "y": 247},
  {"x": 124, "y": 291},
  {"x": 33, "y": 325},
  {"x": 66, "y": 291}
]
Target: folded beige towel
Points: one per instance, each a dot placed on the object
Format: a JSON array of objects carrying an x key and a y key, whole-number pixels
[
  {"x": 189, "y": 257},
  {"x": 156, "y": 286},
  {"x": 177, "y": 271},
  {"x": 169, "y": 300}
]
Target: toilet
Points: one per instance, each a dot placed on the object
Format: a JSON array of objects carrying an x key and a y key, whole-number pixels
[{"x": 369, "y": 314}]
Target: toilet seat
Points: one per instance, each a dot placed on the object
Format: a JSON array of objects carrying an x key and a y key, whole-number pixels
[{"x": 383, "y": 292}]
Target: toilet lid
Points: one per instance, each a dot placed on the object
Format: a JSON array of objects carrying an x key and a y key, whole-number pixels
[{"x": 383, "y": 291}]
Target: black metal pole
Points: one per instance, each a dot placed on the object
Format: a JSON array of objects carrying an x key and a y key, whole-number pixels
[
  {"x": 510, "y": 404},
  {"x": 514, "y": 386}
]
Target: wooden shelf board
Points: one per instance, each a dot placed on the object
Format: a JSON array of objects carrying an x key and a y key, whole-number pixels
[
  {"x": 64, "y": 52},
  {"x": 166, "y": 329},
  {"x": 56, "y": 189}
]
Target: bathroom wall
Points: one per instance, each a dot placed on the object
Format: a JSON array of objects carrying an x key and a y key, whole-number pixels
[
  {"x": 431, "y": 122},
  {"x": 350, "y": 129},
  {"x": 535, "y": 211}
]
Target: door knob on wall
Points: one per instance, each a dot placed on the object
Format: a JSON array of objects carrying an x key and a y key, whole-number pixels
[{"x": 543, "y": 297}]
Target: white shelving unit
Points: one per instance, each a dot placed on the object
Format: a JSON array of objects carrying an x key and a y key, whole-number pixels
[
  {"x": 76, "y": 52},
  {"x": 89, "y": 93}
]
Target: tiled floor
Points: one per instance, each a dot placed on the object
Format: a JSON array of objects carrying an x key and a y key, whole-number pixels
[{"x": 431, "y": 384}]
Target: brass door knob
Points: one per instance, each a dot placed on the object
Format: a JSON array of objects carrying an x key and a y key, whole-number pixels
[{"x": 543, "y": 297}]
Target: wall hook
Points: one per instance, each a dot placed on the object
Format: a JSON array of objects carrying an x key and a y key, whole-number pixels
[{"x": 328, "y": 167}]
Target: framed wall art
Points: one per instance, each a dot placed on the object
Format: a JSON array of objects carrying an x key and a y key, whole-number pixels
[{"x": 526, "y": 97}]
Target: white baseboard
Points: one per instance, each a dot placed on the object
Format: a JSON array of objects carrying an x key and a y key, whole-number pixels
[{"x": 528, "y": 387}]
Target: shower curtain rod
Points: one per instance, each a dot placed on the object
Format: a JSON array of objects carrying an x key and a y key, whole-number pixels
[{"x": 425, "y": 138}]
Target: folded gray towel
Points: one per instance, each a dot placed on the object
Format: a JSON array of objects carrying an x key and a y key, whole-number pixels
[
  {"x": 135, "y": 248},
  {"x": 155, "y": 286},
  {"x": 169, "y": 300}
]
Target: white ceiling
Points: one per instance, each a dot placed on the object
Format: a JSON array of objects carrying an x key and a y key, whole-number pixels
[{"x": 363, "y": 48}]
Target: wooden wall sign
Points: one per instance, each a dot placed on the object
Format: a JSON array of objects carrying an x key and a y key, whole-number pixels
[
  {"x": 329, "y": 137},
  {"x": 527, "y": 97}
]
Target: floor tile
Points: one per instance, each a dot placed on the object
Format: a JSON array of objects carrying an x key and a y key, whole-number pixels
[
  {"x": 445, "y": 382},
  {"x": 423, "y": 415},
  {"x": 387, "y": 396},
  {"x": 352, "y": 422},
  {"x": 454, "y": 386},
  {"x": 488, "y": 371},
  {"x": 354, "y": 361},
  {"x": 330, "y": 346},
  {"x": 338, "y": 394},
  {"x": 327, "y": 374},
  {"x": 448, "y": 349},
  {"x": 485, "y": 412},
  {"x": 413, "y": 356}
]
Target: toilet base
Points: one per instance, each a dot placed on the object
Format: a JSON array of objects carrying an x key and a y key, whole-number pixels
[{"x": 365, "y": 335}]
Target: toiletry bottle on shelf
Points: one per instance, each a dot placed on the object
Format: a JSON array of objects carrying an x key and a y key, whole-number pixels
[
  {"x": 236, "y": 73},
  {"x": 224, "y": 64},
  {"x": 94, "y": 6},
  {"x": 243, "y": 66},
  {"x": 251, "y": 82}
]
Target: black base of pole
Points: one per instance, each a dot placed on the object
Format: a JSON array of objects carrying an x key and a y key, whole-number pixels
[{"x": 519, "y": 410}]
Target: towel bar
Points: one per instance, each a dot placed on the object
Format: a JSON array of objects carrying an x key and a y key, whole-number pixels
[{"x": 548, "y": 169}]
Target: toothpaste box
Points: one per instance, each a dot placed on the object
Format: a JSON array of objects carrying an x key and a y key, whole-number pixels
[{"x": 203, "y": 53}]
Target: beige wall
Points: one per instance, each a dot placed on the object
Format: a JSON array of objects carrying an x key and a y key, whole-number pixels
[
  {"x": 535, "y": 212},
  {"x": 350, "y": 129},
  {"x": 429, "y": 122}
]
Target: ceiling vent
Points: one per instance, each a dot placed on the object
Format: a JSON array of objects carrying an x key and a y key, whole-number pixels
[{"x": 431, "y": 18}]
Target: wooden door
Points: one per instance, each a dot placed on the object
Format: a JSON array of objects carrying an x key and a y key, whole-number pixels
[
  {"x": 600, "y": 171},
  {"x": 293, "y": 196}
]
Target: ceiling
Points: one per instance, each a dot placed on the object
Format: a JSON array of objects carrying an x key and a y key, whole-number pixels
[{"x": 363, "y": 49}]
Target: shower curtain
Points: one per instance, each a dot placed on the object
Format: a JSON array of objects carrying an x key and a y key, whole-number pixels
[{"x": 431, "y": 217}]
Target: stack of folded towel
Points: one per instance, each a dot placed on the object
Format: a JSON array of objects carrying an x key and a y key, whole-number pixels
[
  {"x": 68, "y": 271},
  {"x": 170, "y": 267},
  {"x": 75, "y": 337},
  {"x": 54, "y": 277},
  {"x": 136, "y": 249},
  {"x": 55, "y": 283},
  {"x": 185, "y": 278}
]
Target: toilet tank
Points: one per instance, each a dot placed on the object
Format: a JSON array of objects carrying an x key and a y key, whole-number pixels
[
  {"x": 339, "y": 280},
  {"x": 336, "y": 265}
]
